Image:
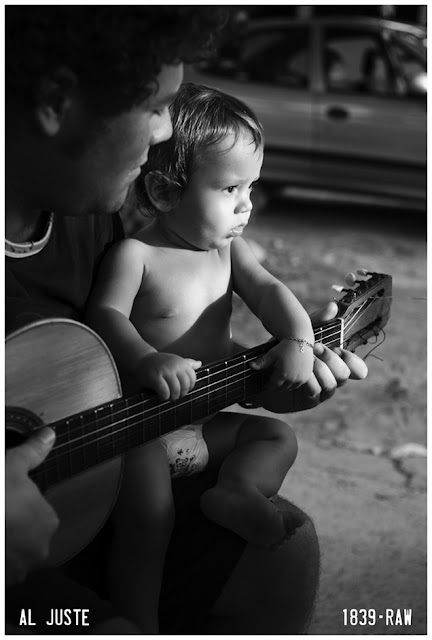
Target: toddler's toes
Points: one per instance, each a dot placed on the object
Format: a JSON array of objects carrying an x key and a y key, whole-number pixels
[{"x": 292, "y": 521}]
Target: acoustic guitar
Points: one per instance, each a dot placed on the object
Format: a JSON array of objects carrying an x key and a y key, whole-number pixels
[{"x": 60, "y": 373}]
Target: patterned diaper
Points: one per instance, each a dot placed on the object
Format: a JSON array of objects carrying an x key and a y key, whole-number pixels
[{"x": 186, "y": 449}]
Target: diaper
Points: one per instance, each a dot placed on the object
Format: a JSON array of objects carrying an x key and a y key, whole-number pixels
[{"x": 186, "y": 450}]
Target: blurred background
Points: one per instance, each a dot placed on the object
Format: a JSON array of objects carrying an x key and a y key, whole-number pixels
[{"x": 341, "y": 93}]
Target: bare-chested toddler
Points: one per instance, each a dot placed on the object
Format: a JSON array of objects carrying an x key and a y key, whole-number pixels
[{"x": 163, "y": 304}]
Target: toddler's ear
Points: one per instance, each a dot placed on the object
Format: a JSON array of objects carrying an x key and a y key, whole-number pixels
[{"x": 162, "y": 191}]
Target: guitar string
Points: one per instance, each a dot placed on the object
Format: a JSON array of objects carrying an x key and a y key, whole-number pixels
[
  {"x": 378, "y": 344},
  {"x": 118, "y": 436},
  {"x": 83, "y": 442},
  {"x": 156, "y": 410},
  {"x": 224, "y": 388},
  {"x": 144, "y": 400},
  {"x": 227, "y": 385}
]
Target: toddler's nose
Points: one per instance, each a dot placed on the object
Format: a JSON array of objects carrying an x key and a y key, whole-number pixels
[{"x": 245, "y": 205}]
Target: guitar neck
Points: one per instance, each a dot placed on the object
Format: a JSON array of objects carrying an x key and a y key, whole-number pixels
[{"x": 98, "y": 435}]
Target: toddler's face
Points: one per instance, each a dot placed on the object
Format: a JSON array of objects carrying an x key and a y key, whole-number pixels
[{"x": 216, "y": 204}]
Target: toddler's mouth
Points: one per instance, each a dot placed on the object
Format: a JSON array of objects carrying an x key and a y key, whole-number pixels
[{"x": 237, "y": 231}]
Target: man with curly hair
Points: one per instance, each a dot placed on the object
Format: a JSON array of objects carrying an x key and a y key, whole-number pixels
[{"x": 88, "y": 90}]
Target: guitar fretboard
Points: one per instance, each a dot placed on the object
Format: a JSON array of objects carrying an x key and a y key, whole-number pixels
[{"x": 98, "y": 435}]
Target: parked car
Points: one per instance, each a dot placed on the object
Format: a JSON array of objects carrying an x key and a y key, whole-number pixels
[{"x": 342, "y": 102}]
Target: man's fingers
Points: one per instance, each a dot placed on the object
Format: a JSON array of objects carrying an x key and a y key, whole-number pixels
[
  {"x": 356, "y": 365},
  {"x": 324, "y": 313},
  {"x": 33, "y": 451},
  {"x": 326, "y": 381},
  {"x": 335, "y": 364}
]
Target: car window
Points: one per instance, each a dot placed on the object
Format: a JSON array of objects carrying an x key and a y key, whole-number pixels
[
  {"x": 411, "y": 65},
  {"x": 356, "y": 61},
  {"x": 277, "y": 56},
  {"x": 268, "y": 56}
]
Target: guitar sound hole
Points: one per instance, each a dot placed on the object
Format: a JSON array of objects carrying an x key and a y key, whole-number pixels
[
  {"x": 19, "y": 424},
  {"x": 13, "y": 438}
]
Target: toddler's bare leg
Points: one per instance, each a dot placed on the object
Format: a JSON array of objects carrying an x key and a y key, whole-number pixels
[
  {"x": 258, "y": 453},
  {"x": 143, "y": 521}
]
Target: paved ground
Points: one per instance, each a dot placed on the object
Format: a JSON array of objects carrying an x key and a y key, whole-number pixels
[
  {"x": 371, "y": 522},
  {"x": 361, "y": 469}
]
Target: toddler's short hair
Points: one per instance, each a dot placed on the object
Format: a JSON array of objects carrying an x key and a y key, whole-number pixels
[{"x": 201, "y": 118}]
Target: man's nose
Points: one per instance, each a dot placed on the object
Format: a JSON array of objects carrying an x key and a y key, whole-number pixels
[{"x": 164, "y": 129}]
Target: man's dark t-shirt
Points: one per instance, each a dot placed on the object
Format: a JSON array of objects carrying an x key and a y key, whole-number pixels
[{"x": 56, "y": 282}]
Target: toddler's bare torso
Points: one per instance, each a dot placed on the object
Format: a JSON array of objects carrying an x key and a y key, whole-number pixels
[{"x": 185, "y": 300}]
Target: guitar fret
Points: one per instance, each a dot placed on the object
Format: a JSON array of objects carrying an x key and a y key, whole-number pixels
[
  {"x": 244, "y": 377},
  {"x": 77, "y": 458}
]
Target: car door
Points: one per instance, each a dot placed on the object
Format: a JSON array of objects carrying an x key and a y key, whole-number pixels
[
  {"x": 268, "y": 67},
  {"x": 370, "y": 131}
]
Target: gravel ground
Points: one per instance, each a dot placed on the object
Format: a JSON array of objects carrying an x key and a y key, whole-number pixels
[{"x": 361, "y": 469}]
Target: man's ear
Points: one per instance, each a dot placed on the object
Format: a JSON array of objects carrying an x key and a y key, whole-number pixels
[
  {"x": 162, "y": 191},
  {"x": 54, "y": 98}
]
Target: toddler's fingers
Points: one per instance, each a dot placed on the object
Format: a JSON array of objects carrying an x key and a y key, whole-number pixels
[
  {"x": 279, "y": 380},
  {"x": 185, "y": 381},
  {"x": 173, "y": 385},
  {"x": 263, "y": 362},
  {"x": 162, "y": 389},
  {"x": 195, "y": 364},
  {"x": 290, "y": 385},
  {"x": 192, "y": 378}
]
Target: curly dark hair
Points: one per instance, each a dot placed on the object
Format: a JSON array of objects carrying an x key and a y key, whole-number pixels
[
  {"x": 201, "y": 118},
  {"x": 115, "y": 51}
]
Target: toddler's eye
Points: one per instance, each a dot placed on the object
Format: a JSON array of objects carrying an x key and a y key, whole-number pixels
[{"x": 230, "y": 189}]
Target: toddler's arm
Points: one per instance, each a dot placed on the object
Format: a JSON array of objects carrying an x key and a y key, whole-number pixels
[
  {"x": 282, "y": 315},
  {"x": 108, "y": 312}
]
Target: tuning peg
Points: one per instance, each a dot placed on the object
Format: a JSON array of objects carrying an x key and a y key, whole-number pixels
[
  {"x": 363, "y": 272},
  {"x": 350, "y": 279},
  {"x": 338, "y": 288}
]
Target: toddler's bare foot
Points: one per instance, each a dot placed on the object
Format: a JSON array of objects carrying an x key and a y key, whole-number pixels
[{"x": 248, "y": 513}]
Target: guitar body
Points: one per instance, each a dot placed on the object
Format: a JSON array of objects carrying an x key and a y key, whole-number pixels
[{"x": 55, "y": 369}]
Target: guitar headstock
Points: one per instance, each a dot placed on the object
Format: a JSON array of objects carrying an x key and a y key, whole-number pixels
[{"x": 365, "y": 308}]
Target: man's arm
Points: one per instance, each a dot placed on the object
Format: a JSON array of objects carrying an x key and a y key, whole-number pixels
[
  {"x": 332, "y": 369},
  {"x": 30, "y": 520}
]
